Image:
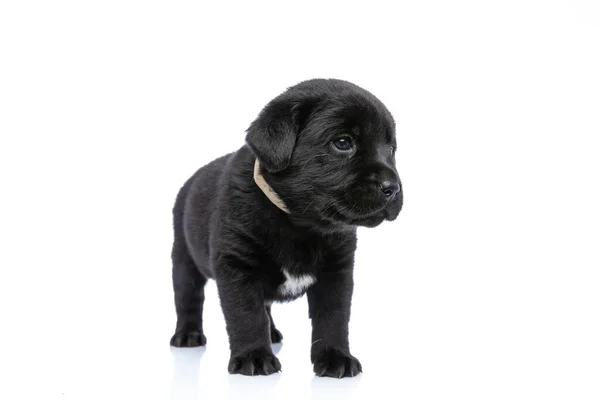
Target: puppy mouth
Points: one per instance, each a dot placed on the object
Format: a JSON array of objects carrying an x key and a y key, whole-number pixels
[
  {"x": 348, "y": 216},
  {"x": 370, "y": 221},
  {"x": 345, "y": 211}
]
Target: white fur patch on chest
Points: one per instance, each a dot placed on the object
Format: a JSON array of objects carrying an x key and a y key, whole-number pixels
[{"x": 295, "y": 285}]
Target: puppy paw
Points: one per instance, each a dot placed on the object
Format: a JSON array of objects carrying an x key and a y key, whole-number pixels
[
  {"x": 276, "y": 336},
  {"x": 254, "y": 362},
  {"x": 336, "y": 364},
  {"x": 188, "y": 339}
]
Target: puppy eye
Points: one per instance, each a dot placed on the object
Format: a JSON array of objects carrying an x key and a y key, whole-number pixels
[{"x": 343, "y": 143}]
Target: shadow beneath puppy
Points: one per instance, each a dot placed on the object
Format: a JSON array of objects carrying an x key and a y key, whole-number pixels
[
  {"x": 188, "y": 383},
  {"x": 253, "y": 387},
  {"x": 324, "y": 388},
  {"x": 185, "y": 383}
]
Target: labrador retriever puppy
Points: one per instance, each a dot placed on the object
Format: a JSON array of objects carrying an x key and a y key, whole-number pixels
[{"x": 278, "y": 219}]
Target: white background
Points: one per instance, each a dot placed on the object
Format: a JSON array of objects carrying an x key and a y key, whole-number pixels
[{"x": 486, "y": 287}]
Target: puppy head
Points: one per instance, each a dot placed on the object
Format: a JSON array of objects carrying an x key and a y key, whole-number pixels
[{"x": 327, "y": 148}]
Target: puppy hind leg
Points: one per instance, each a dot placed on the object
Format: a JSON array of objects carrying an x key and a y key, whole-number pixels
[
  {"x": 276, "y": 336},
  {"x": 188, "y": 285}
]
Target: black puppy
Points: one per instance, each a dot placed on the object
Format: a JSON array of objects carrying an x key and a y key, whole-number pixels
[{"x": 278, "y": 218}]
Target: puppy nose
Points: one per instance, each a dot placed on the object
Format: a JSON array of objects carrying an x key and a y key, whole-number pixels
[{"x": 390, "y": 188}]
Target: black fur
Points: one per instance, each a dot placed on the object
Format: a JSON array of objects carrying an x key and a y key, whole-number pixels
[{"x": 228, "y": 230}]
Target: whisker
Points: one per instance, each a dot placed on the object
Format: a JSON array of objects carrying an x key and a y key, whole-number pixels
[{"x": 309, "y": 204}]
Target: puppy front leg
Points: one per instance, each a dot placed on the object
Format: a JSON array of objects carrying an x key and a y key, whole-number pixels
[
  {"x": 247, "y": 321},
  {"x": 329, "y": 309}
]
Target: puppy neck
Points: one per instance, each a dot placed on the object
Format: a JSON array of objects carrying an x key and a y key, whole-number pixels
[{"x": 268, "y": 190}]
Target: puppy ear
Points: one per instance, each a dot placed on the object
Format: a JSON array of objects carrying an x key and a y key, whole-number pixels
[{"x": 272, "y": 136}]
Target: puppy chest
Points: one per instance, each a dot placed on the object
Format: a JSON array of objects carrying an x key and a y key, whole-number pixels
[{"x": 295, "y": 285}]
